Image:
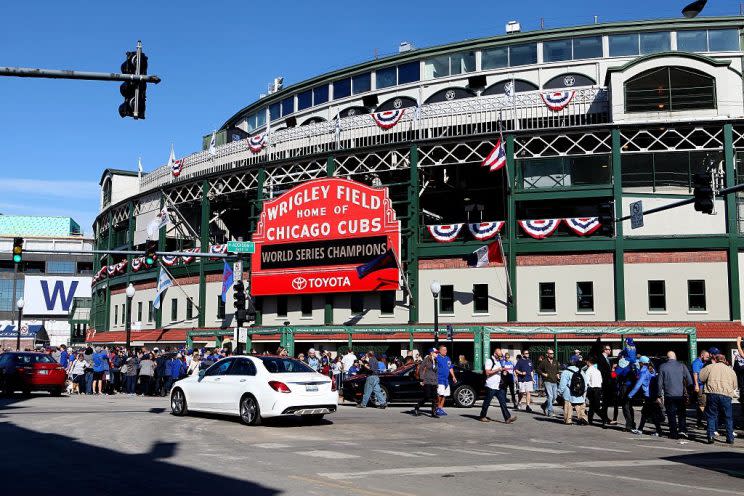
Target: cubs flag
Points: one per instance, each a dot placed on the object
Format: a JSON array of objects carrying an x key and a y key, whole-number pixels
[
  {"x": 497, "y": 158},
  {"x": 487, "y": 254},
  {"x": 385, "y": 261},
  {"x": 164, "y": 282},
  {"x": 227, "y": 280},
  {"x": 213, "y": 144}
]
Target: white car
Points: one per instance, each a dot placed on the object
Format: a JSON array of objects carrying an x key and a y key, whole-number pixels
[{"x": 255, "y": 388}]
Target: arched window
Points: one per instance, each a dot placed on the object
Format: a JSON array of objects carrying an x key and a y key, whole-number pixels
[
  {"x": 398, "y": 102},
  {"x": 106, "y": 191},
  {"x": 670, "y": 89},
  {"x": 520, "y": 86}
]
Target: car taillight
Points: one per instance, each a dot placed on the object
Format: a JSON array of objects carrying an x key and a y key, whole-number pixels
[
  {"x": 334, "y": 386},
  {"x": 279, "y": 387}
]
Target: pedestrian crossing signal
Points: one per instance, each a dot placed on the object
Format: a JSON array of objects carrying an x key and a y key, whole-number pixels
[{"x": 17, "y": 250}]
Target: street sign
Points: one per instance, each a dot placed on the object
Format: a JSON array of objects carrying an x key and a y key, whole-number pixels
[
  {"x": 241, "y": 247},
  {"x": 238, "y": 270},
  {"x": 636, "y": 215}
]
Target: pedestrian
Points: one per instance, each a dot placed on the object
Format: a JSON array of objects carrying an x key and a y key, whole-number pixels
[
  {"x": 337, "y": 369},
  {"x": 594, "y": 391},
  {"x": 88, "y": 354},
  {"x": 444, "y": 374},
  {"x": 673, "y": 378},
  {"x": 147, "y": 375},
  {"x": 64, "y": 356},
  {"x": 626, "y": 379},
  {"x": 507, "y": 376},
  {"x": 651, "y": 403},
  {"x": 195, "y": 363},
  {"x": 720, "y": 388},
  {"x": 100, "y": 368},
  {"x": 372, "y": 383},
  {"x": 576, "y": 358},
  {"x": 160, "y": 360},
  {"x": 77, "y": 374},
  {"x": 697, "y": 365},
  {"x": 524, "y": 369},
  {"x": 609, "y": 385},
  {"x": 492, "y": 371},
  {"x": 427, "y": 373},
  {"x": 129, "y": 372},
  {"x": 463, "y": 362},
  {"x": 347, "y": 361},
  {"x": 313, "y": 361},
  {"x": 572, "y": 388},
  {"x": 550, "y": 372},
  {"x": 174, "y": 369}
]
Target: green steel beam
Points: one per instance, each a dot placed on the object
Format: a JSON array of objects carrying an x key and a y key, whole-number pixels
[
  {"x": 328, "y": 310},
  {"x": 677, "y": 243},
  {"x": 203, "y": 241},
  {"x": 511, "y": 233},
  {"x": 330, "y": 166},
  {"x": 109, "y": 243},
  {"x": 161, "y": 246},
  {"x": 564, "y": 194},
  {"x": 565, "y": 245},
  {"x": 619, "y": 255},
  {"x": 412, "y": 237},
  {"x": 732, "y": 225}
]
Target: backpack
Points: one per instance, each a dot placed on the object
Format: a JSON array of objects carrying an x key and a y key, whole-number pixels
[{"x": 577, "y": 385}]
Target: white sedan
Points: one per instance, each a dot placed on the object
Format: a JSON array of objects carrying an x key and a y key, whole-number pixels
[{"x": 254, "y": 388}]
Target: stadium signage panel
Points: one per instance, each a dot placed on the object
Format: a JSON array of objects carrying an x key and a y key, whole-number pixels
[
  {"x": 312, "y": 239},
  {"x": 52, "y": 295}
]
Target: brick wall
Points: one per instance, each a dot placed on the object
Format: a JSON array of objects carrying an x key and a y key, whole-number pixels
[
  {"x": 565, "y": 259},
  {"x": 675, "y": 257}
]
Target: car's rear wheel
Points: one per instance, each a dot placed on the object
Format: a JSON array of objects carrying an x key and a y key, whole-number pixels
[
  {"x": 178, "y": 403},
  {"x": 250, "y": 414},
  {"x": 464, "y": 396},
  {"x": 56, "y": 392}
]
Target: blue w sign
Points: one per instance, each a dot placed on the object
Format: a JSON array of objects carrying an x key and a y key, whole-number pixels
[
  {"x": 59, "y": 290},
  {"x": 50, "y": 295}
]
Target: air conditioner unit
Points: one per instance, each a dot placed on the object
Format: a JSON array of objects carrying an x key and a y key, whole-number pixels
[
  {"x": 513, "y": 27},
  {"x": 405, "y": 47}
]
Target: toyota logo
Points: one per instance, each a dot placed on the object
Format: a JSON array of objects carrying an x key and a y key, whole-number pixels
[{"x": 299, "y": 283}]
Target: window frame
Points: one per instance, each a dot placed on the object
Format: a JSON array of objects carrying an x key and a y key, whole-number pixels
[
  {"x": 480, "y": 299},
  {"x": 189, "y": 309},
  {"x": 656, "y": 295},
  {"x": 304, "y": 301},
  {"x": 541, "y": 308},
  {"x": 220, "y": 308},
  {"x": 174, "y": 310},
  {"x": 139, "y": 311},
  {"x": 284, "y": 306},
  {"x": 387, "y": 303},
  {"x": 666, "y": 103},
  {"x": 447, "y": 304},
  {"x": 690, "y": 296},
  {"x": 581, "y": 295},
  {"x": 354, "y": 300}
]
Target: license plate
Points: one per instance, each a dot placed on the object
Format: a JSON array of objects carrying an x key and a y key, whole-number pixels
[{"x": 311, "y": 387}]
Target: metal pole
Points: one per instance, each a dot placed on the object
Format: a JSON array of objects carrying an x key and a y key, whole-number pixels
[
  {"x": 129, "y": 322},
  {"x": 18, "y": 330},
  {"x": 15, "y": 280},
  {"x": 436, "y": 320},
  {"x": 31, "y": 72}
]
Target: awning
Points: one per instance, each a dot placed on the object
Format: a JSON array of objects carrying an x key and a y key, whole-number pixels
[{"x": 34, "y": 331}]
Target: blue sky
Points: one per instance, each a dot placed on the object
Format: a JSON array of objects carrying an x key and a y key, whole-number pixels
[{"x": 214, "y": 58}]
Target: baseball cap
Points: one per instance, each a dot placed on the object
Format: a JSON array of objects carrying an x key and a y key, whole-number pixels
[
  {"x": 622, "y": 363},
  {"x": 644, "y": 359},
  {"x": 630, "y": 341},
  {"x": 433, "y": 350},
  {"x": 714, "y": 351}
]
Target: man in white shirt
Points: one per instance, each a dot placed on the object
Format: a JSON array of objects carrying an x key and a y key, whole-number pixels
[
  {"x": 348, "y": 361},
  {"x": 492, "y": 371},
  {"x": 594, "y": 391}
]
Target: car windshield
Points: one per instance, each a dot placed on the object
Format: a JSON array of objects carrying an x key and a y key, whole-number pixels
[
  {"x": 278, "y": 365},
  {"x": 29, "y": 359}
]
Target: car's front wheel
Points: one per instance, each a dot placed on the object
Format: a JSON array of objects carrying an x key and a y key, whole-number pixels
[
  {"x": 178, "y": 403},
  {"x": 250, "y": 414},
  {"x": 464, "y": 396}
]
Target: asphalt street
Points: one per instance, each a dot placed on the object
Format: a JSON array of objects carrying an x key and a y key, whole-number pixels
[{"x": 126, "y": 445}]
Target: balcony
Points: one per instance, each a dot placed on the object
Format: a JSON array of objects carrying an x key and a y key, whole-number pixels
[{"x": 437, "y": 121}]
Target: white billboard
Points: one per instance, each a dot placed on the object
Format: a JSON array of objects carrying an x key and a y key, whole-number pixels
[{"x": 52, "y": 295}]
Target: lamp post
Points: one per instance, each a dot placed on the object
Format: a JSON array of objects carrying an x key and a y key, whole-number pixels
[
  {"x": 435, "y": 289},
  {"x": 694, "y": 8},
  {"x": 128, "y": 319},
  {"x": 19, "y": 304}
]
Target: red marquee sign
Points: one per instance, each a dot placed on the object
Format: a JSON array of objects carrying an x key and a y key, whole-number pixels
[{"x": 313, "y": 238}]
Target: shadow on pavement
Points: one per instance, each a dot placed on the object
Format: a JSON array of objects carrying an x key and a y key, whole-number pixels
[
  {"x": 27, "y": 455},
  {"x": 723, "y": 462}
]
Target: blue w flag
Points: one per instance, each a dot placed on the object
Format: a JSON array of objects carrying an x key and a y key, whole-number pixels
[
  {"x": 164, "y": 282},
  {"x": 227, "y": 280},
  {"x": 385, "y": 261}
]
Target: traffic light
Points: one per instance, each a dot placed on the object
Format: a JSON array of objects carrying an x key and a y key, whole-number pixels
[
  {"x": 606, "y": 215},
  {"x": 134, "y": 92},
  {"x": 239, "y": 301},
  {"x": 150, "y": 255},
  {"x": 17, "y": 250},
  {"x": 703, "y": 193}
]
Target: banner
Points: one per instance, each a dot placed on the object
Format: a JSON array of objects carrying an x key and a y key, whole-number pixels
[
  {"x": 50, "y": 295},
  {"x": 313, "y": 238}
]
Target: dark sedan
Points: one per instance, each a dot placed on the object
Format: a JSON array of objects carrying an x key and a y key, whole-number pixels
[{"x": 402, "y": 386}]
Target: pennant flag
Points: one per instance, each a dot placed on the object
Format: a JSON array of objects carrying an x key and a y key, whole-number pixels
[
  {"x": 139, "y": 165},
  {"x": 557, "y": 100},
  {"x": 213, "y": 144},
  {"x": 485, "y": 230},
  {"x": 168, "y": 260},
  {"x": 176, "y": 166},
  {"x": 227, "y": 280},
  {"x": 583, "y": 226},
  {"x": 388, "y": 119},
  {"x": 164, "y": 282},
  {"x": 385, "y": 261},
  {"x": 445, "y": 233},
  {"x": 257, "y": 142},
  {"x": 497, "y": 158},
  {"x": 540, "y": 229},
  {"x": 486, "y": 254}
]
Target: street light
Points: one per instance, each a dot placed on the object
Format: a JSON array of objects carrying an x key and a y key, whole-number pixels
[
  {"x": 694, "y": 8},
  {"x": 128, "y": 321},
  {"x": 435, "y": 289},
  {"x": 19, "y": 304}
]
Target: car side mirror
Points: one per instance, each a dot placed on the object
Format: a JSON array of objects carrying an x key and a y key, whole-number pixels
[{"x": 202, "y": 373}]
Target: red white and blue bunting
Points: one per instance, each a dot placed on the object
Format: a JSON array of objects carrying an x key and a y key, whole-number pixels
[
  {"x": 188, "y": 259},
  {"x": 557, "y": 100},
  {"x": 168, "y": 260},
  {"x": 217, "y": 249},
  {"x": 485, "y": 230},
  {"x": 388, "y": 119},
  {"x": 445, "y": 233},
  {"x": 583, "y": 226},
  {"x": 137, "y": 263},
  {"x": 256, "y": 143},
  {"x": 540, "y": 228},
  {"x": 111, "y": 270}
]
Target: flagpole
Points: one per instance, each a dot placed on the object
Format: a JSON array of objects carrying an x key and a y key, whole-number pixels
[
  {"x": 173, "y": 279},
  {"x": 506, "y": 271},
  {"x": 503, "y": 143}
]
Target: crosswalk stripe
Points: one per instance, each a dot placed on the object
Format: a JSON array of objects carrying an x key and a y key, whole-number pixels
[
  {"x": 597, "y": 448},
  {"x": 271, "y": 445},
  {"x": 333, "y": 455},
  {"x": 423, "y": 453},
  {"x": 531, "y": 448},
  {"x": 472, "y": 452},
  {"x": 397, "y": 453}
]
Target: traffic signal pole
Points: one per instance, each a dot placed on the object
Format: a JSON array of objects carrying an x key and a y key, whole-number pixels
[{"x": 29, "y": 72}]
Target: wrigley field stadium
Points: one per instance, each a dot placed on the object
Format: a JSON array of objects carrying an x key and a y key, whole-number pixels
[{"x": 471, "y": 188}]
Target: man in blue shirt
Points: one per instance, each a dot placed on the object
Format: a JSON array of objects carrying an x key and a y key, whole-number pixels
[
  {"x": 64, "y": 357},
  {"x": 697, "y": 365},
  {"x": 444, "y": 373},
  {"x": 524, "y": 370},
  {"x": 100, "y": 366}
]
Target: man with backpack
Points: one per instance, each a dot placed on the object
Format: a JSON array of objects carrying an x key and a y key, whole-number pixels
[
  {"x": 572, "y": 388},
  {"x": 492, "y": 371}
]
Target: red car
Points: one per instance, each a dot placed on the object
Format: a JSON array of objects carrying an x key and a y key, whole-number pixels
[{"x": 27, "y": 371}]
